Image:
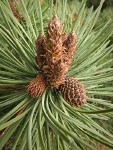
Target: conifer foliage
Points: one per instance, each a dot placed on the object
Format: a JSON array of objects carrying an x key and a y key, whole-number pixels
[{"x": 43, "y": 79}]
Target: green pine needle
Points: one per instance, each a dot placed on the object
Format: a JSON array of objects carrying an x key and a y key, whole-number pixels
[{"x": 49, "y": 122}]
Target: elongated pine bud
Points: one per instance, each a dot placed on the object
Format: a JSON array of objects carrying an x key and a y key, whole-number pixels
[
  {"x": 41, "y": 51},
  {"x": 73, "y": 91},
  {"x": 37, "y": 86},
  {"x": 54, "y": 40},
  {"x": 15, "y": 10},
  {"x": 69, "y": 45},
  {"x": 55, "y": 69}
]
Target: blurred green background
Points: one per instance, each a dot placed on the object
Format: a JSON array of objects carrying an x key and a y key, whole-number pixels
[{"x": 95, "y": 3}]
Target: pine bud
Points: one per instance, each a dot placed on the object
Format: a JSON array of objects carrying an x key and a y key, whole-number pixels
[
  {"x": 15, "y": 10},
  {"x": 37, "y": 86},
  {"x": 73, "y": 91},
  {"x": 55, "y": 69},
  {"x": 54, "y": 40},
  {"x": 74, "y": 16},
  {"x": 41, "y": 51},
  {"x": 69, "y": 48}
]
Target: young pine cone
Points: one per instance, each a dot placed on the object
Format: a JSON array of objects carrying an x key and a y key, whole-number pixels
[
  {"x": 37, "y": 86},
  {"x": 73, "y": 91}
]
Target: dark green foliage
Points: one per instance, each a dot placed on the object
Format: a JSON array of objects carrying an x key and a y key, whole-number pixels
[
  {"x": 95, "y": 3},
  {"x": 105, "y": 16}
]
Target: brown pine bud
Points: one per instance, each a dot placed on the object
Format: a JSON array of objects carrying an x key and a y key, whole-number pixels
[
  {"x": 54, "y": 40},
  {"x": 37, "y": 86},
  {"x": 55, "y": 69},
  {"x": 41, "y": 51},
  {"x": 69, "y": 45},
  {"x": 15, "y": 10},
  {"x": 74, "y": 16},
  {"x": 73, "y": 91}
]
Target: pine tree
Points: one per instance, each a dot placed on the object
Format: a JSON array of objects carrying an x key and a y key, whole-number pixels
[{"x": 40, "y": 107}]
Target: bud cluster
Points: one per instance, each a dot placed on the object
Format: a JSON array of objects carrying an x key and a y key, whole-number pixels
[{"x": 54, "y": 56}]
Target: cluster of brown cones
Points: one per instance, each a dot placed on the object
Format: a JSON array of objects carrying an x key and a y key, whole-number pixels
[{"x": 55, "y": 54}]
